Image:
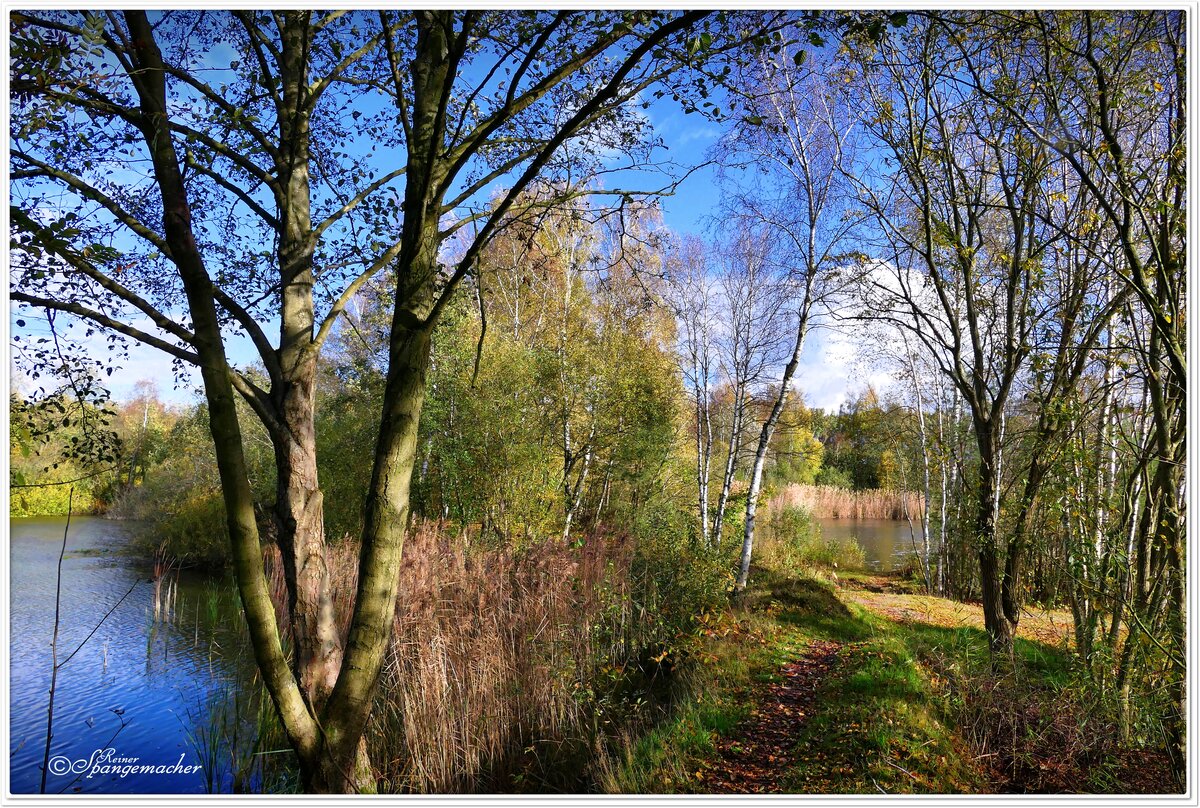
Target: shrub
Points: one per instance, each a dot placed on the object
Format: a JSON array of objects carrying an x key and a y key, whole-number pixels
[
  {"x": 178, "y": 506},
  {"x": 793, "y": 543}
]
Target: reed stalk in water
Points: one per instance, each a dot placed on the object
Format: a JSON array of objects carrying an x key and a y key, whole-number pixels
[
  {"x": 54, "y": 663},
  {"x": 54, "y": 643}
]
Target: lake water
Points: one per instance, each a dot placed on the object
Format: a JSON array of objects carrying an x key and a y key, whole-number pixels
[
  {"x": 887, "y": 544},
  {"x": 143, "y": 687}
]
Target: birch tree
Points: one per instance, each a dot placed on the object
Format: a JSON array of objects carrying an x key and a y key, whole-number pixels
[{"x": 801, "y": 140}]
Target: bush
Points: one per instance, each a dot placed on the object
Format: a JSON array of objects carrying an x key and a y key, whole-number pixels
[
  {"x": 792, "y": 542},
  {"x": 51, "y": 500},
  {"x": 1036, "y": 737},
  {"x": 178, "y": 506},
  {"x": 834, "y": 477}
]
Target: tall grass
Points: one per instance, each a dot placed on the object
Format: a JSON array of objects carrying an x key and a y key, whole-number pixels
[
  {"x": 831, "y": 502},
  {"x": 505, "y": 670},
  {"x": 793, "y": 545}
]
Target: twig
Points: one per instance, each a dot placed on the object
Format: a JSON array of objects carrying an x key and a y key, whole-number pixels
[
  {"x": 902, "y": 769},
  {"x": 97, "y": 628},
  {"x": 111, "y": 738}
]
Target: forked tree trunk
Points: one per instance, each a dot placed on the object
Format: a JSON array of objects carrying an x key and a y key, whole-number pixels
[
  {"x": 340, "y": 765},
  {"x": 149, "y": 79}
]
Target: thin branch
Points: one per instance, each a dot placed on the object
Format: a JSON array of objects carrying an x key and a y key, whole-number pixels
[{"x": 107, "y": 322}]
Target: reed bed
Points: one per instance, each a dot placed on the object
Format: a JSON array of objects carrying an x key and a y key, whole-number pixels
[
  {"x": 830, "y": 502},
  {"x": 494, "y": 675}
]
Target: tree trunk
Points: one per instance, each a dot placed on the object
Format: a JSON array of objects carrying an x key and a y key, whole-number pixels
[
  {"x": 703, "y": 448},
  {"x": 340, "y": 766},
  {"x": 764, "y": 442},
  {"x": 998, "y": 626},
  {"x": 730, "y": 467},
  {"x": 299, "y": 515},
  {"x": 149, "y": 78}
]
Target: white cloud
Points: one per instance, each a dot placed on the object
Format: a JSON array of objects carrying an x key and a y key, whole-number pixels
[{"x": 834, "y": 368}]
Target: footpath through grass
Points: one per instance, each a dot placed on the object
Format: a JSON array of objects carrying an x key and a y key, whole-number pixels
[{"x": 910, "y": 705}]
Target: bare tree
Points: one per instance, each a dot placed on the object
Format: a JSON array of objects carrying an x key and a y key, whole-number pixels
[
  {"x": 752, "y": 309},
  {"x": 695, "y": 306}
]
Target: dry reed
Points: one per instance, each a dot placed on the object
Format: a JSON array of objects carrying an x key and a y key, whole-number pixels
[
  {"x": 830, "y": 502},
  {"x": 493, "y": 657}
]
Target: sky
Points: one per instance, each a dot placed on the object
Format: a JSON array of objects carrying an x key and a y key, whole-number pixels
[{"x": 831, "y": 370}]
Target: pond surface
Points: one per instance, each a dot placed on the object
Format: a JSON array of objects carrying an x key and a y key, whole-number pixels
[
  {"x": 141, "y": 686},
  {"x": 887, "y": 544}
]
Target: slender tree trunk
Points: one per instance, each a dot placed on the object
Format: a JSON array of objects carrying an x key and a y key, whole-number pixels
[
  {"x": 764, "y": 443},
  {"x": 702, "y": 454},
  {"x": 924, "y": 468},
  {"x": 943, "y": 467},
  {"x": 573, "y": 494},
  {"x": 730, "y": 466}
]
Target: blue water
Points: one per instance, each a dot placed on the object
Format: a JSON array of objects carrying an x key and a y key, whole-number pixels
[{"x": 142, "y": 687}]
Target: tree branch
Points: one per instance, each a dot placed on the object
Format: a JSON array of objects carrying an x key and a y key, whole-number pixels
[{"x": 107, "y": 322}]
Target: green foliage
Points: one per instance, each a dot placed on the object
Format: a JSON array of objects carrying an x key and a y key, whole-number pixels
[
  {"x": 793, "y": 543},
  {"x": 860, "y": 443},
  {"x": 796, "y": 453},
  {"x": 178, "y": 505},
  {"x": 835, "y": 477},
  {"x": 57, "y": 445},
  {"x": 347, "y": 423}
]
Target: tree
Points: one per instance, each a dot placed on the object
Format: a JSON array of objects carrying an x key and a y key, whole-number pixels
[
  {"x": 801, "y": 140},
  {"x": 695, "y": 307},
  {"x": 963, "y": 221},
  {"x": 750, "y": 324},
  {"x": 177, "y": 213},
  {"x": 1110, "y": 100}
]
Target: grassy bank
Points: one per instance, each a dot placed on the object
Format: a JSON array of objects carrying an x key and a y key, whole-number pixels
[{"x": 913, "y": 704}]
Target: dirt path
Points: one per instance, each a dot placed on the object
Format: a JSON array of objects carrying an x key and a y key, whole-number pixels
[{"x": 755, "y": 758}]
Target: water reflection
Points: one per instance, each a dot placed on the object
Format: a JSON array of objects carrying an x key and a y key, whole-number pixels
[
  {"x": 140, "y": 685},
  {"x": 887, "y": 544}
]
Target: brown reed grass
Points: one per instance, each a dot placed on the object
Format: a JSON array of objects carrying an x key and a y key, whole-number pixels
[
  {"x": 831, "y": 502},
  {"x": 494, "y": 657}
]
